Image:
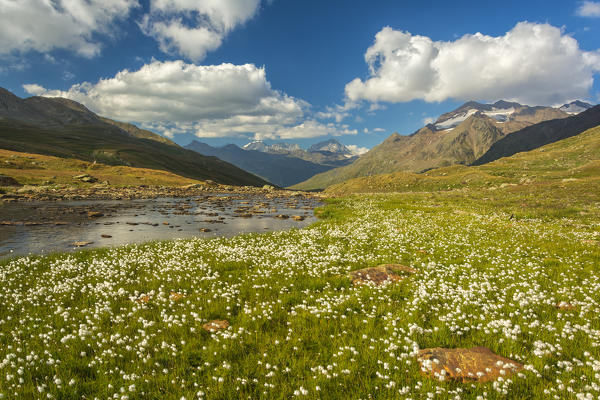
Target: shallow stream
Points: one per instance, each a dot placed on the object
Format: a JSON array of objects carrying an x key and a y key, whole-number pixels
[{"x": 46, "y": 227}]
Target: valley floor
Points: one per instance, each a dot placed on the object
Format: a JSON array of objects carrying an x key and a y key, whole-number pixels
[{"x": 516, "y": 272}]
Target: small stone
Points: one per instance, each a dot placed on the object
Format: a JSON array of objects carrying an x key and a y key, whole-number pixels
[
  {"x": 205, "y": 230},
  {"x": 81, "y": 243},
  {"x": 297, "y": 217},
  {"x": 193, "y": 186},
  {"x": 282, "y": 216},
  {"x": 9, "y": 223},
  {"x": 106, "y": 236},
  {"x": 94, "y": 214},
  {"x": 477, "y": 364},
  {"x": 216, "y": 325}
]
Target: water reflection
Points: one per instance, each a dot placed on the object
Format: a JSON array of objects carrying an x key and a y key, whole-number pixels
[{"x": 41, "y": 228}]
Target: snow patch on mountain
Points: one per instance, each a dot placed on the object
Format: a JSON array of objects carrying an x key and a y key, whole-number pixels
[
  {"x": 331, "y": 146},
  {"x": 575, "y": 107},
  {"x": 500, "y": 111},
  {"x": 328, "y": 146},
  {"x": 257, "y": 145}
]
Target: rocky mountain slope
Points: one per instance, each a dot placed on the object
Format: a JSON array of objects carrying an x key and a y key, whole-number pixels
[
  {"x": 541, "y": 134},
  {"x": 65, "y": 128},
  {"x": 458, "y": 137}
]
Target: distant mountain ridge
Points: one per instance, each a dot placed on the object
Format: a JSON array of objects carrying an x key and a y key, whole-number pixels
[
  {"x": 283, "y": 164},
  {"x": 64, "y": 128},
  {"x": 330, "y": 146},
  {"x": 457, "y": 137}
]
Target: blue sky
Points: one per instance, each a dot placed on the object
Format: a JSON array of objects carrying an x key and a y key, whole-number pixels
[{"x": 228, "y": 71}]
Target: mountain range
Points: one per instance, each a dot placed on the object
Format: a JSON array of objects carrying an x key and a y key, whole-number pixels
[
  {"x": 283, "y": 164},
  {"x": 473, "y": 134},
  {"x": 458, "y": 137},
  {"x": 64, "y": 128}
]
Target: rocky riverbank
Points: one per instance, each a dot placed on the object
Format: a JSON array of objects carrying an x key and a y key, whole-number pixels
[{"x": 105, "y": 191}]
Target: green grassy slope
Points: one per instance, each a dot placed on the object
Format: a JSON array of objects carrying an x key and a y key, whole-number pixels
[{"x": 115, "y": 147}]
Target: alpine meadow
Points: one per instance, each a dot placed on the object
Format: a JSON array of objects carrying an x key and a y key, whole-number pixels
[{"x": 252, "y": 199}]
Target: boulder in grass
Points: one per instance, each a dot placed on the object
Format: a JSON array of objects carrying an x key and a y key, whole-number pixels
[
  {"x": 86, "y": 178},
  {"x": 564, "y": 306},
  {"x": 381, "y": 274},
  {"x": 477, "y": 364},
  {"x": 216, "y": 325},
  {"x": 8, "y": 181}
]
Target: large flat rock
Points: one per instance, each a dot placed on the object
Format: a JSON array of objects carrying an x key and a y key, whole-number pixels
[
  {"x": 381, "y": 274},
  {"x": 477, "y": 364}
]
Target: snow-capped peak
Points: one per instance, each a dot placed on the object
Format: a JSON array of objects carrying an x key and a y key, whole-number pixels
[
  {"x": 284, "y": 147},
  {"x": 331, "y": 146},
  {"x": 575, "y": 107},
  {"x": 500, "y": 111},
  {"x": 257, "y": 145}
]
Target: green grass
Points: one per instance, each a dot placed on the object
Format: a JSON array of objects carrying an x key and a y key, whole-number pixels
[
  {"x": 37, "y": 169},
  {"x": 490, "y": 274}
]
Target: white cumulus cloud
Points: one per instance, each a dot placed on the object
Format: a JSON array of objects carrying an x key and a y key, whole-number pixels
[
  {"x": 589, "y": 9},
  {"x": 45, "y": 25},
  {"x": 194, "y": 27},
  {"x": 532, "y": 63},
  {"x": 357, "y": 150},
  {"x": 174, "y": 97}
]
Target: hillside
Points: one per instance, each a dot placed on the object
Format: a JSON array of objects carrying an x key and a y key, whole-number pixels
[
  {"x": 571, "y": 161},
  {"x": 457, "y": 137},
  {"x": 280, "y": 169},
  {"x": 64, "y": 128},
  {"x": 541, "y": 134},
  {"x": 37, "y": 169}
]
